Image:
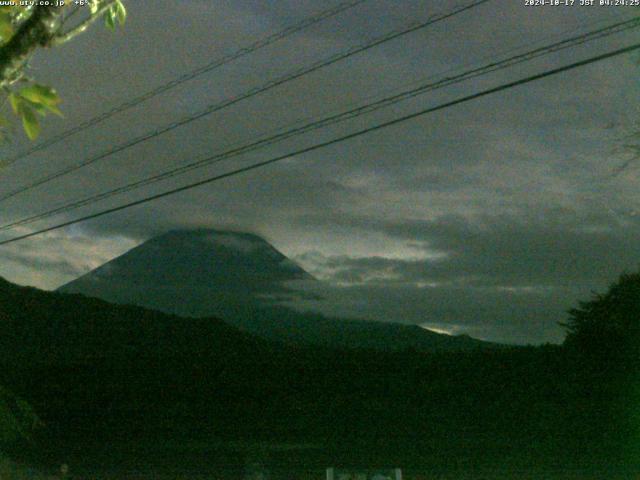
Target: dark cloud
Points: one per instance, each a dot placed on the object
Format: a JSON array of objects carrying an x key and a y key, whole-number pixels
[
  {"x": 513, "y": 252},
  {"x": 54, "y": 266},
  {"x": 507, "y": 279}
]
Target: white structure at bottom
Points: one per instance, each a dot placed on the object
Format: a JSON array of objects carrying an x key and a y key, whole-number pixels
[{"x": 364, "y": 474}]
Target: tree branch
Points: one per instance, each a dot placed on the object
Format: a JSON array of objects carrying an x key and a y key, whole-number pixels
[
  {"x": 82, "y": 26},
  {"x": 36, "y": 31}
]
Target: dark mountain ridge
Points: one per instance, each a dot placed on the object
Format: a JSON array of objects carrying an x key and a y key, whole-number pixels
[{"x": 241, "y": 278}]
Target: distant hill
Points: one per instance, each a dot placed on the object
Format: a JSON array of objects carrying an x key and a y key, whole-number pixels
[
  {"x": 241, "y": 278},
  {"x": 304, "y": 328},
  {"x": 95, "y": 371},
  {"x": 52, "y": 328}
]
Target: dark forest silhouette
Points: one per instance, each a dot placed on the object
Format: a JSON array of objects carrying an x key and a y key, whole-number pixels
[{"x": 114, "y": 384}]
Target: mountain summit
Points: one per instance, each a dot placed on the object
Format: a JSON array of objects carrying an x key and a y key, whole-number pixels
[{"x": 193, "y": 273}]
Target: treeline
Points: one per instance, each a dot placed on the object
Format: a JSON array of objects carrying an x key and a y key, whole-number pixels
[{"x": 104, "y": 378}]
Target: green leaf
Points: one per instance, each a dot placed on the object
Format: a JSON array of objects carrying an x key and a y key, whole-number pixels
[
  {"x": 115, "y": 15},
  {"x": 32, "y": 101},
  {"x": 30, "y": 123},
  {"x": 6, "y": 27},
  {"x": 40, "y": 94},
  {"x": 37, "y": 107},
  {"x": 4, "y": 124},
  {"x": 110, "y": 19},
  {"x": 16, "y": 103},
  {"x": 121, "y": 12},
  {"x": 55, "y": 110}
]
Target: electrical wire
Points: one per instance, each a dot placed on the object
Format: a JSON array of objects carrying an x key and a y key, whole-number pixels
[
  {"x": 213, "y": 65},
  {"x": 334, "y": 141},
  {"x": 248, "y": 94},
  {"x": 339, "y": 117}
]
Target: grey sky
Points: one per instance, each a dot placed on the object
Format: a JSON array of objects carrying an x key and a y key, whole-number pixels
[{"x": 492, "y": 217}]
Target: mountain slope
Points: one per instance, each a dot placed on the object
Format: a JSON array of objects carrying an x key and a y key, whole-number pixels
[
  {"x": 98, "y": 371},
  {"x": 240, "y": 277},
  {"x": 192, "y": 273},
  {"x": 305, "y": 328}
]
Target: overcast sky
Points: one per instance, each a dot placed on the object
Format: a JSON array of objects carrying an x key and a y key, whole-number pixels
[{"x": 491, "y": 218}]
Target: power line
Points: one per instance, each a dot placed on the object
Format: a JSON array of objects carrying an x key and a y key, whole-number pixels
[
  {"x": 340, "y": 117},
  {"x": 334, "y": 141},
  {"x": 219, "y": 62},
  {"x": 248, "y": 94}
]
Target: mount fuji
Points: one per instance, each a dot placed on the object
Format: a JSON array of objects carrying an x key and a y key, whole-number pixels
[{"x": 243, "y": 279}]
